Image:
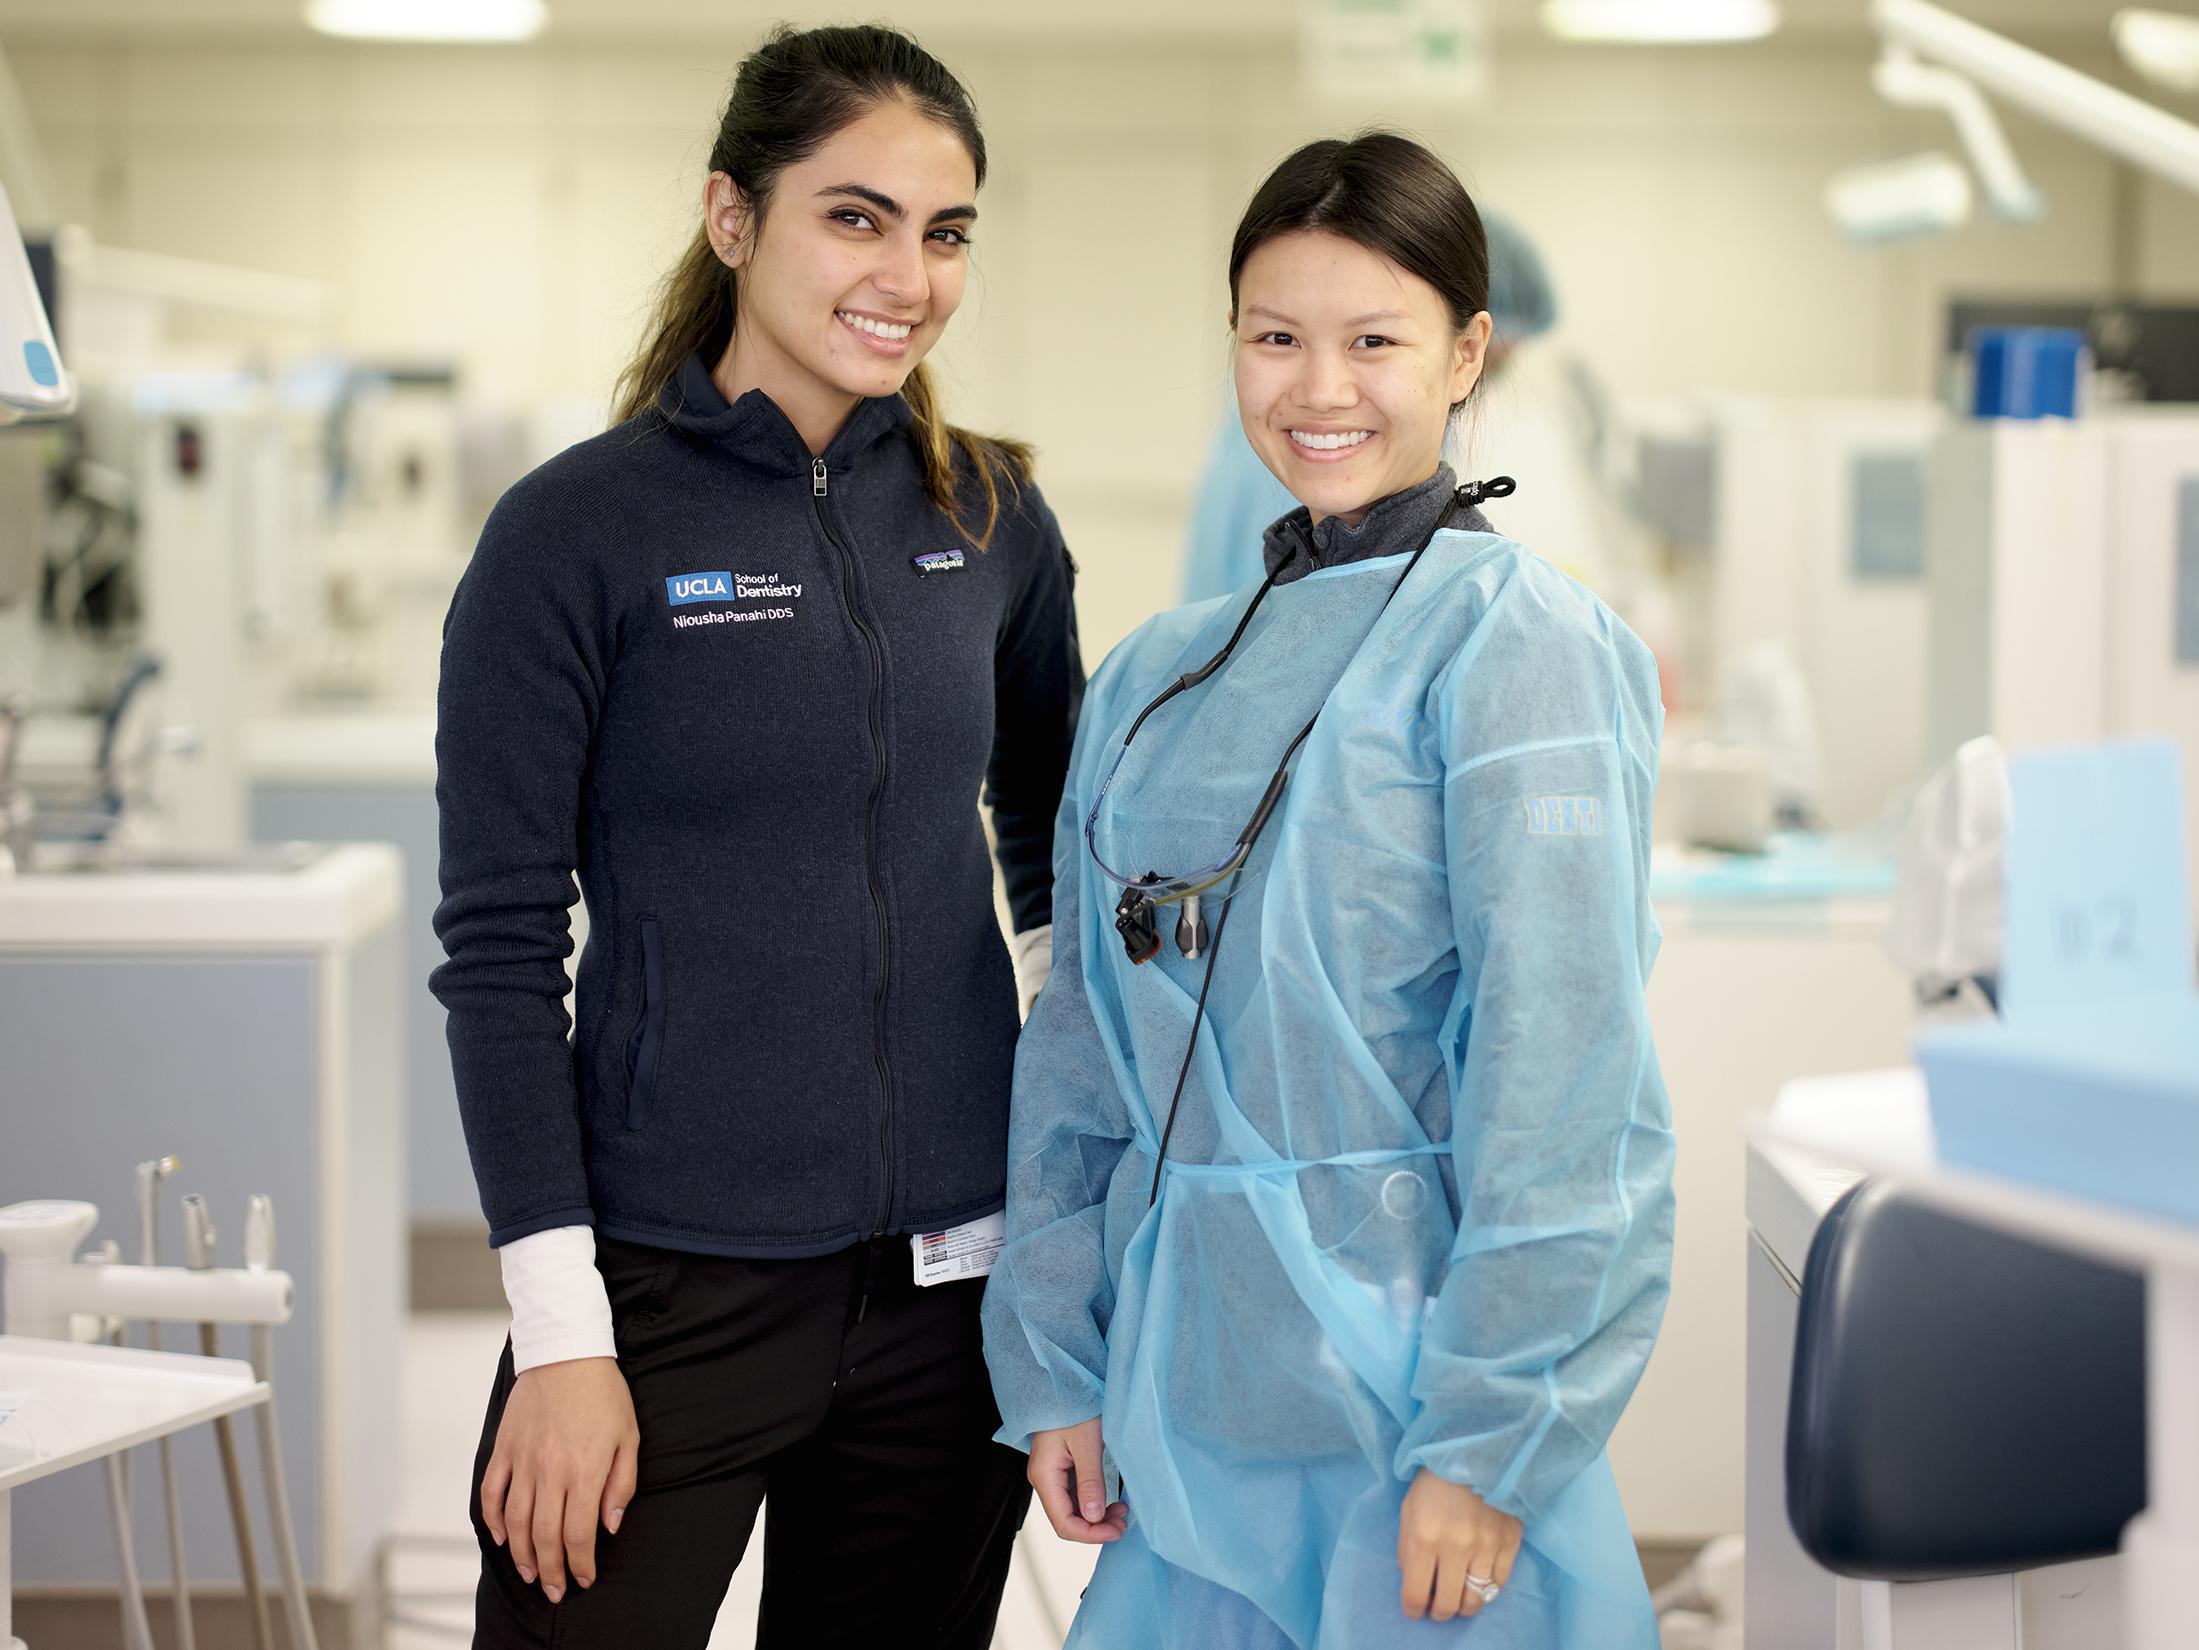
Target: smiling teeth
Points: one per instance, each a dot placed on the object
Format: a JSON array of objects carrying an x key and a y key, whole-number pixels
[
  {"x": 877, "y": 329},
  {"x": 1329, "y": 443}
]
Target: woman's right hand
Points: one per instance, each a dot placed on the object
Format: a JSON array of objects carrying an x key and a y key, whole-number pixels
[
  {"x": 1065, "y": 1470},
  {"x": 565, "y": 1456}
]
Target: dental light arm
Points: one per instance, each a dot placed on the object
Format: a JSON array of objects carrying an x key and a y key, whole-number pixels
[
  {"x": 2149, "y": 138},
  {"x": 1901, "y": 80}
]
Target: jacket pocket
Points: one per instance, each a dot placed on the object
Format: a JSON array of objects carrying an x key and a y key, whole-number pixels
[{"x": 646, "y": 1040}]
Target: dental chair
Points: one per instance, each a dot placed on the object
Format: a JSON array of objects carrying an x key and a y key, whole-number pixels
[{"x": 1966, "y": 1414}]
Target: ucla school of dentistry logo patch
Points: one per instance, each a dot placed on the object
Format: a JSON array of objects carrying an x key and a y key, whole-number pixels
[
  {"x": 699, "y": 587},
  {"x": 685, "y": 589}
]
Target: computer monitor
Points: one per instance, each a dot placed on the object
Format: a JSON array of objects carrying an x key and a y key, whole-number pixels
[{"x": 33, "y": 382}]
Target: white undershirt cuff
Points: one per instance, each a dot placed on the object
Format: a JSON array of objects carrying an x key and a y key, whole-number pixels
[
  {"x": 560, "y": 1309},
  {"x": 1033, "y": 952}
]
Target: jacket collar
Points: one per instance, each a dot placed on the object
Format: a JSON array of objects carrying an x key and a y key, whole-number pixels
[{"x": 754, "y": 430}]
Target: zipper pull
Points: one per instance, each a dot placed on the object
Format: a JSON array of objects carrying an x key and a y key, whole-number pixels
[{"x": 817, "y": 478}]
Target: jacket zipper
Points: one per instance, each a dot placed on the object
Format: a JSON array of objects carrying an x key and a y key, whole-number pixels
[{"x": 817, "y": 493}]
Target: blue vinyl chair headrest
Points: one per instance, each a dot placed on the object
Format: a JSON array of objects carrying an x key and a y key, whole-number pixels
[{"x": 1964, "y": 1403}]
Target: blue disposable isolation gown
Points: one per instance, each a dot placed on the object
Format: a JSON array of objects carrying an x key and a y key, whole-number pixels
[{"x": 1418, "y": 1206}]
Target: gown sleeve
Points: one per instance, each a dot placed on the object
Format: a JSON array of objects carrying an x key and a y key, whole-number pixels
[
  {"x": 1561, "y": 1132},
  {"x": 1050, "y": 1297}
]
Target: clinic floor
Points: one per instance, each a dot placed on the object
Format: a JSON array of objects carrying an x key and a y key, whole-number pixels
[{"x": 449, "y": 1358}]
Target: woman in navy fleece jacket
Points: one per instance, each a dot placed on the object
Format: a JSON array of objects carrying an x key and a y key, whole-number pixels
[{"x": 744, "y": 664}]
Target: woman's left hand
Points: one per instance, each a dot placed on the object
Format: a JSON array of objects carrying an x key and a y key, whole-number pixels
[{"x": 1450, "y": 1543}]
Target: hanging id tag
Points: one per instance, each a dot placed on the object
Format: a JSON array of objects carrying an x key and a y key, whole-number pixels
[{"x": 965, "y": 1251}]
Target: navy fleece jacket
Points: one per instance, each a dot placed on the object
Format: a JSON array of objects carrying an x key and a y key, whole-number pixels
[{"x": 751, "y": 698}]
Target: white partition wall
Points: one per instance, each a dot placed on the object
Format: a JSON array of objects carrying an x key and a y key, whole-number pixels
[
  {"x": 2152, "y": 610},
  {"x": 2018, "y": 552},
  {"x": 2065, "y": 583},
  {"x": 1866, "y": 602}
]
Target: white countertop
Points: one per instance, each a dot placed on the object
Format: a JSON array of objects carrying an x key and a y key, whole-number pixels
[
  {"x": 347, "y": 895},
  {"x": 363, "y": 747},
  {"x": 1880, "y": 1124},
  {"x": 1790, "y": 1191},
  {"x": 84, "y": 1402},
  {"x": 1813, "y": 887},
  {"x": 1682, "y": 916}
]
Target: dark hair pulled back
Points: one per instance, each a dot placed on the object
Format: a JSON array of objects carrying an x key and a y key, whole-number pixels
[
  {"x": 790, "y": 95},
  {"x": 1388, "y": 194}
]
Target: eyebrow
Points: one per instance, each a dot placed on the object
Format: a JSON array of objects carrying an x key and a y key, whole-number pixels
[
  {"x": 893, "y": 208},
  {"x": 1355, "y": 321}
]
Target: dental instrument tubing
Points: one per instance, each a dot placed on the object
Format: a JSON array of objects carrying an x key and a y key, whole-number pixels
[
  {"x": 149, "y": 1176},
  {"x": 198, "y": 1255},
  {"x": 137, "y": 1627},
  {"x": 295, "y": 1613}
]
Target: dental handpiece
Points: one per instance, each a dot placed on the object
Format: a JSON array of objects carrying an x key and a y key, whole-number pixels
[
  {"x": 198, "y": 1233},
  {"x": 149, "y": 1176},
  {"x": 259, "y": 1232},
  {"x": 198, "y": 1255}
]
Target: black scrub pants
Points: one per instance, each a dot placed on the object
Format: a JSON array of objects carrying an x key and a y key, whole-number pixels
[{"x": 856, "y": 1402}]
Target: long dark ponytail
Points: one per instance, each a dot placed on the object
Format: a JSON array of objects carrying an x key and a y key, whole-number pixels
[{"x": 790, "y": 95}]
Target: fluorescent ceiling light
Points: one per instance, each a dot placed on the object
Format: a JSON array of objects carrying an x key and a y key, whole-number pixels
[
  {"x": 1660, "y": 21},
  {"x": 448, "y": 20},
  {"x": 2161, "y": 45}
]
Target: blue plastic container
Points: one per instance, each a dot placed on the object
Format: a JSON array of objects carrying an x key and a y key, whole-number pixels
[
  {"x": 2025, "y": 372},
  {"x": 2100, "y": 1102}
]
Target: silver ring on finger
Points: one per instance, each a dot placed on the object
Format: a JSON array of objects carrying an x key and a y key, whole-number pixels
[{"x": 1483, "y": 1588}]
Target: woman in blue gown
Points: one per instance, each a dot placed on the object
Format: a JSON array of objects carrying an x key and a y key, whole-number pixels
[{"x": 1340, "y": 1171}]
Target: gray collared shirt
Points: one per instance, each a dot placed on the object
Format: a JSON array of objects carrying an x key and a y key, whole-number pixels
[{"x": 1397, "y": 525}]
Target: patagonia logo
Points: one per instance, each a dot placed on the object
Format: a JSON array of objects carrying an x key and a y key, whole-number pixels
[
  {"x": 938, "y": 561},
  {"x": 699, "y": 587},
  {"x": 1564, "y": 816}
]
